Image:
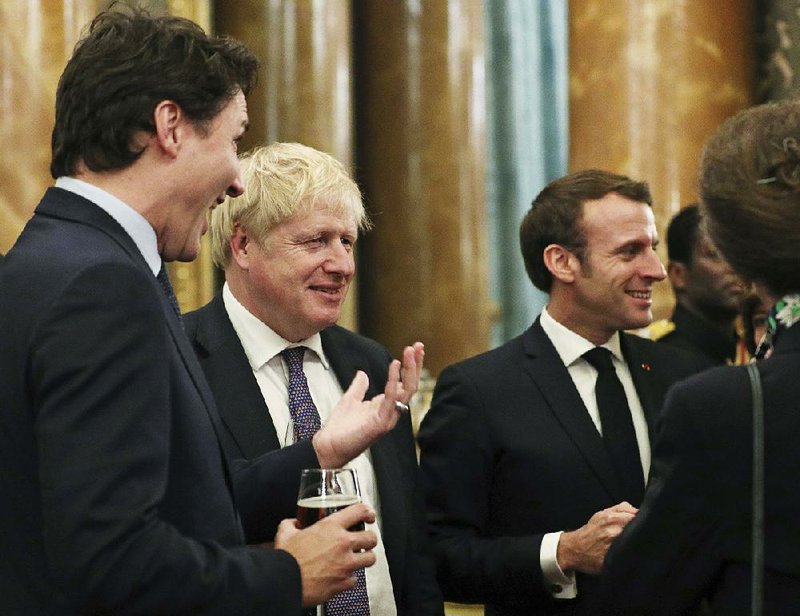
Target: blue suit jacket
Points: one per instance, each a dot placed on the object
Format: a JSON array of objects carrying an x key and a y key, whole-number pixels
[
  {"x": 115, "y": 493},
  {"x": 510, "y": 453},
  {"x": 268, "y": 493}
]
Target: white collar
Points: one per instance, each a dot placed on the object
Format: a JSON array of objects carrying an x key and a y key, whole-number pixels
[
  {"x": 571, "y": 346},
  {"x": 259, "y": 340}
]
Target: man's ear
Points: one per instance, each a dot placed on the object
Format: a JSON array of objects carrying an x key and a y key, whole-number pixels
[
  {"x": 239, "y": 244},
  {"x": 561, "y": 263},
  {"x": 678, "y": 274},
  {"x": 168, "y": 119}
]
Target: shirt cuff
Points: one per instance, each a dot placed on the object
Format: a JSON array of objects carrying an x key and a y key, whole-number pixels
[{"x": 560, "y": 585}]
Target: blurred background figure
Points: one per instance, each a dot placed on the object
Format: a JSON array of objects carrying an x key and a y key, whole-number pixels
[
  {"x": 752, "y": 322},
  {"x": 707, "y": 293},
  {"x": 691, "y": 539}
]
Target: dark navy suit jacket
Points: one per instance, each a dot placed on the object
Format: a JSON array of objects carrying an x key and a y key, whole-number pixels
[
  {"x": 510, "y": 453},
  {"x": 115, "y": 492},
  {"x": 250, "y": 435},
  {"x": 692, "y": 537}
]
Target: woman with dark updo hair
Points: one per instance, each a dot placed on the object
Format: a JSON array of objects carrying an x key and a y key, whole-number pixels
[{"x": 690, "y": 544}]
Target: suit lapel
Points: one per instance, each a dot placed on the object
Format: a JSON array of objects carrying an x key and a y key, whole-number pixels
[
  {"x": 225, "y": 364},
  {"x": 639, "y": 364},
  {"x": 385, "y": 463},
  {"x": 553, "y": 381},
  {"x": 190, "y": 361},
  {"x": 74, "y": 207},
  {"x": 344, "y": 362}
]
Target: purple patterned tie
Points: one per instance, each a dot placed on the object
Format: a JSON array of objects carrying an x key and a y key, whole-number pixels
[
  {"x": 353, "y": 602},
  {"x": 301, "y": 407}
]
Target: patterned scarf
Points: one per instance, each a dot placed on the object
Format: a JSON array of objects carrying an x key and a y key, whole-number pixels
[{"x": 784, "y": 314}]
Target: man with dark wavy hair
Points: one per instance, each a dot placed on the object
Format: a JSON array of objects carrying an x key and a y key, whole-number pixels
[{"x": 115, "y": 494}]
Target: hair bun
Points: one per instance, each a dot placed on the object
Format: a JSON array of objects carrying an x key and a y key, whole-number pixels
[{"x": 786, "y": 167}]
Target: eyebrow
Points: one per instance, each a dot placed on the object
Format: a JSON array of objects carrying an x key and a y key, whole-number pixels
[{"x": 636, "y": 243}]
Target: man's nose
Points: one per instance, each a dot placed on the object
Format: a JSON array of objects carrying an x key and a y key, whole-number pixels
[
  {"x": 654, "y": 268},
  {"x": 235, "y": 189},
  {"x": 341, "y": 259}
]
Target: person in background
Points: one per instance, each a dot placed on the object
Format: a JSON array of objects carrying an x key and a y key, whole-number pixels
[
  {"x": 707, "y": 293},
  {"x": 753, "y": 317},
  {"x": 286, "y": 246},
  {"x": 534, "y": 455},
  {"x": 116, "y": 497},
  {"x": 691, "y": 540}
]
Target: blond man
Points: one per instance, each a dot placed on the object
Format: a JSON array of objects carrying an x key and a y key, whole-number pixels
[{"x": 286, "y": 248}]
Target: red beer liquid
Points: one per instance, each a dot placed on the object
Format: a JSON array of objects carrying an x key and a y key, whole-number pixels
[{"x": 314, "y": 508}]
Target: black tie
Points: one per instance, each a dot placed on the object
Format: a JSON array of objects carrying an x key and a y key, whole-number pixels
[
  {"x": 615, "y": 418},
  {"x": 163, "y": 280}
]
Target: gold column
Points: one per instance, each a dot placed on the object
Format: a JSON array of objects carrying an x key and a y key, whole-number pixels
[
  {"x": 421, "y": 161},
  {"x": 304, "y": 92},
  {"x": 650, "y": 80},
  {"x": 780, "y": 54},
  {"x": 38, "y": 38}
]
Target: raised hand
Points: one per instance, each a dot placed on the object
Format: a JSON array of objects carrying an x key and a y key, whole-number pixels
[{"x": 355, "y": 423}]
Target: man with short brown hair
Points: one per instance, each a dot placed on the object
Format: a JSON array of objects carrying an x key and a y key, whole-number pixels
[
  {"x": 534, "y": 455},
  {"x": 116, "y": 495}
]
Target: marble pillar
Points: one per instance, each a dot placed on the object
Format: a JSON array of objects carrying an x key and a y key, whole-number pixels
[
  {"x": 304, "y": 91},
  {"x": 779, "y": 74},
  {"x": 421, "y": 160},
  {"x": 650, "y": 80},
  {"x": 37, "y": 41}
]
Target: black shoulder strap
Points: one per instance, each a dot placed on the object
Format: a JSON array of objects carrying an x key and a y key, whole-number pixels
[{"x": 757, "y": 598}]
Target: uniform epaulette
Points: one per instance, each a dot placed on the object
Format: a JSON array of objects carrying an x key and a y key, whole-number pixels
[{"x": 656, "y": 330}]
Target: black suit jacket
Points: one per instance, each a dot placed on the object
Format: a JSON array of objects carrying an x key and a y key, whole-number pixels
[
  {"x": 115, "y": 493},
  {"x": 268, "y": 493},
  {"x": 691, "y": 538},
  {"x": 510, "y": 453},
  {"x": 697, "y": 335}
]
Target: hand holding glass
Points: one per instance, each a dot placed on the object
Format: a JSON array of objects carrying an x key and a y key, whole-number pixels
[{"x": 324, "y": 491}]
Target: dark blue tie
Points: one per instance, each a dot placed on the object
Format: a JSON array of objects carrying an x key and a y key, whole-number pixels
[
  {"x": 615, "y": 418},
  {"x": 305, "y": 417},
  {"x": 163, "y": 280}
]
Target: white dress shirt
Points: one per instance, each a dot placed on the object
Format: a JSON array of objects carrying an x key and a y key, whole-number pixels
[
  {"x": 263, "y": 347},
  {"x": 570, "y": 348}
]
